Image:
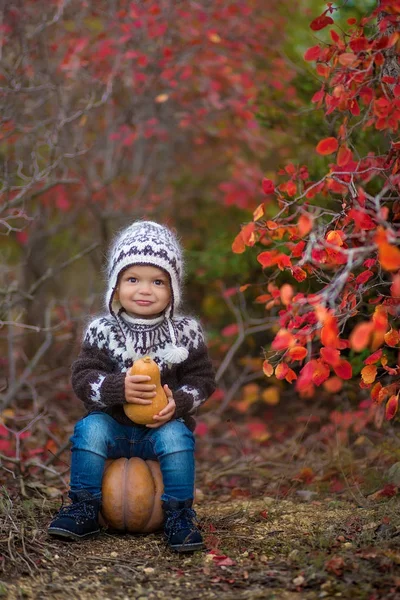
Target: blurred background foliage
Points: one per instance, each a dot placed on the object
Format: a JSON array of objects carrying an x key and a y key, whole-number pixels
[{"x": 215, "y": 142}]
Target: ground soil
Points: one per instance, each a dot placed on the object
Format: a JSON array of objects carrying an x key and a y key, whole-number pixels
[
  {"x": 286, "y": 516},
  {"x": 260, "y": 548}
]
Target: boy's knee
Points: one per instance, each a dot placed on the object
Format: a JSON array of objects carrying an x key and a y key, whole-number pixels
[
  {"x": 172, "y": 437},
  {"x": 93, "y": 433}
]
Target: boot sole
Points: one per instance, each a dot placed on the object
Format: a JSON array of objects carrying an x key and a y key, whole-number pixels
[
  {"x": 65, "y": 534},
  {"x": 188, "y": 547}
]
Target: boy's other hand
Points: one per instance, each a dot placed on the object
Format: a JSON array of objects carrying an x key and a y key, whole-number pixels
[
  {"x": 137, "y": 390},
  {"x": 166, "y": 413}
]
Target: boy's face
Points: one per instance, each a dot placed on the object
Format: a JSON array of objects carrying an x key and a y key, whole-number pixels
[{"x": 144, "y": 291}]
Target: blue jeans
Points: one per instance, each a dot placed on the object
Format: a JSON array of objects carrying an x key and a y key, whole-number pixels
[{"x": 98, "y": 437}]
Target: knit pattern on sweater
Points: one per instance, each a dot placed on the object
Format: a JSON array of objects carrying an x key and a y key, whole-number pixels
[{"x": 98, "y": 374}]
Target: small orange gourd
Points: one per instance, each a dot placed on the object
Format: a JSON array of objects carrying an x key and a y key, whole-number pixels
[
  {"x": 143, "y": 413},
  {"x": 131, "y": 495}
]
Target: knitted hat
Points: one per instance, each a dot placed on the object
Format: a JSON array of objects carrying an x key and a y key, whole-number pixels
[{"x": 148, "y": 243}]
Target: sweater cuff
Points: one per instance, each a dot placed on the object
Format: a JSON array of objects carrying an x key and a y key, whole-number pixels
[
  {"x": 113, "y": 389},
  {"x": 184, "y": 404}
]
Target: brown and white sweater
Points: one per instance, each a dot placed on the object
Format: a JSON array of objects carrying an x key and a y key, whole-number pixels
[{"x": 112, "y": 344}]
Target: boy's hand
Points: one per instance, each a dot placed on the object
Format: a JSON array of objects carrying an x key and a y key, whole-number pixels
[
  {"x": 137, "y": 390},
  {"x": 166, "y": 413}
]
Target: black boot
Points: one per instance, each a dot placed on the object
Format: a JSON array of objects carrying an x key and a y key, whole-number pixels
[
  {"x": 180, "y": 526},
  {"x": 78, "y": 520}
]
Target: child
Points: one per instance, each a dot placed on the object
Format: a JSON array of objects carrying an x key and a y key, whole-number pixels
[{"x": 144, "y": 293}]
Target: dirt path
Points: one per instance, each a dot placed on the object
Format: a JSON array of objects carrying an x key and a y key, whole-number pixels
[{"x": 257, "y": 548}]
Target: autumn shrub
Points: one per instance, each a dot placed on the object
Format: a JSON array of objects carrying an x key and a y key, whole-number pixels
[{"x": 329, "y": 251}]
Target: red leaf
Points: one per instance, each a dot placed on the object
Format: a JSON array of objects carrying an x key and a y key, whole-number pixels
[
  {"x": 267, "y": 259},
  {"x": 364, "y": 277},
  {"x": 327, "y": 146},
  {"x": 320, "y": 372},
  {"x": 330, "y": 355},
  {"x": 299, "y": 274},
  {"x": 343, "y": 370},
  {"x": 230, "y": 330},
  {"x": 335, "y": 565},
  {"x": 318, "y": 96},
  {"x": 373, "y": 358},
  {"x": 321, "y": 22},
  {"x": 268, "y": 186},
  {"x": 312, "y": 53},
  {"x": 391, "y": 407},
  {"x": 344, "y": 156}
]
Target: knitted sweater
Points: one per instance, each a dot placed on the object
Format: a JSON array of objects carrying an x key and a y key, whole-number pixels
[{"x": 98, "y": 374}]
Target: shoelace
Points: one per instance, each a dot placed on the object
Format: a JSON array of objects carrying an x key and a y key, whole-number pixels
[
  {"x": 181, "y": 519},
  {"x": 78, "y": 509}
]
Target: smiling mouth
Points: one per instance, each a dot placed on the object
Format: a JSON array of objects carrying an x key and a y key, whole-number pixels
[{"x": 143, "y": 302}]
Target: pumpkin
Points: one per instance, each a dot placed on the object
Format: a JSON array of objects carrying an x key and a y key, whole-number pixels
[
  {"x": 144, "y": 413},
  {"x": 131, "y": 490}
]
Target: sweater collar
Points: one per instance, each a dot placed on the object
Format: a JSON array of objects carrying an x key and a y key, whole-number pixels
[{"x": 140, "y": 323}]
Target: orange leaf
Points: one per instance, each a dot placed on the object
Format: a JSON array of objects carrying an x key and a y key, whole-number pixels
[
  {"x": 343, "y": 370},
  {"x": 330, "y": 332},
  {"x": 290, "y": 376},
  {"x": 320, "y": 372},
  {"x": 297, "y": 353},
  {"x": 347, "y": 59},
  {"x": 368, "y": 374},
  {"x": 281, "y": 371},
  {"x": 272, "y": 225},
  {"x": 391, "y": 407},
  {"x": 258, "y": 213},
  {"x": 375, "y": 392},
  {"x": 271, "y": 395},
  {"x": 238, "y": 246},
  {"x": 335, "y": 238},
  {"x": 333, "y": 385},
  {"x": 268, "y": 369},
  {"x": 305, "y": 224},
  {"x": 286, "y": 293},
  {"x": 248, "y": 234},
  {"x": 392, "y": 338},
  {"x": 389, "y": 257},
  {"x": 395, "y": 287},
  {"x": 267, "y": 259},
  {"x": 327, "y": 146},
  {"x": 283, "y": 340},
  {"x": 360, "y": 336},
  {"x": 380, "y": 319}
]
